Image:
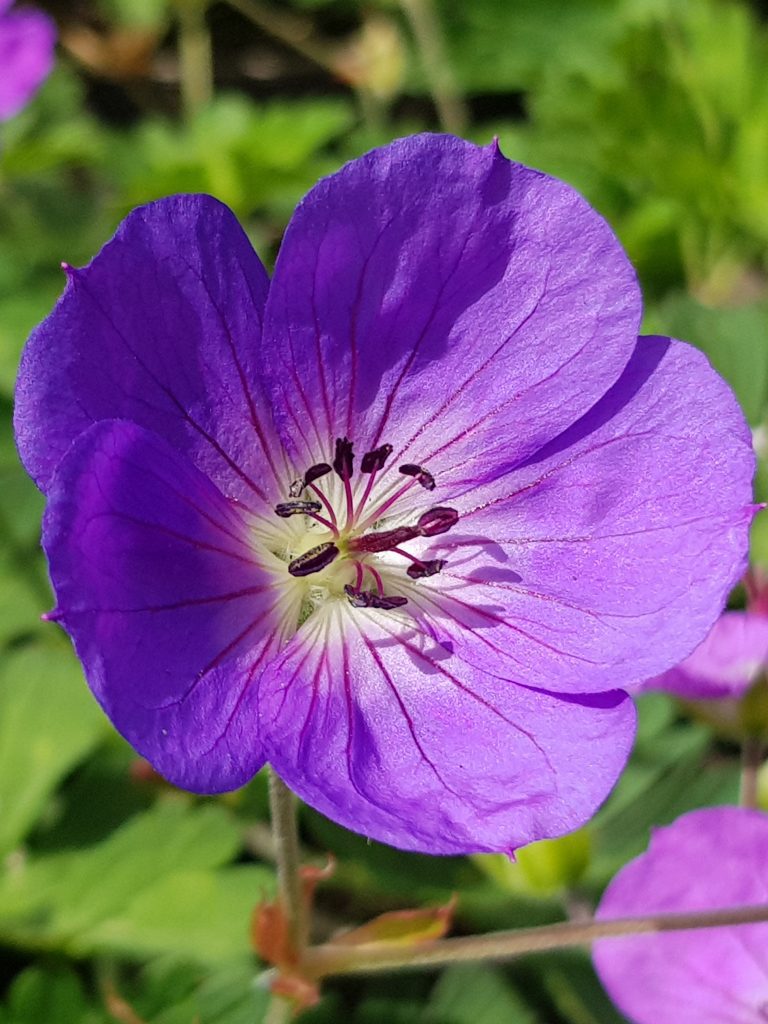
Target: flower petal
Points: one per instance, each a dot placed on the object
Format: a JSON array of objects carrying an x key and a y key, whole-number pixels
[
  {"x": 438, "y": 297},
  {"x": 171, "y": 608},
  {"x": 386, "y": 732},
  {"x": 726, "y": 664},
  {"x": 27, "y": 39},
  {"x": 614, "y": 549},
  {"x": 161, "y": 328},
  {"x": 712, "y": 858}
]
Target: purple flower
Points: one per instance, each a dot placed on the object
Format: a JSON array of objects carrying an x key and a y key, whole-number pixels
[
  {"x": 708, "y": 859},
  {"x": 726, "y": 664},
  {"x": 401, "y": 520},
  {"x": 27, "y": 39}
]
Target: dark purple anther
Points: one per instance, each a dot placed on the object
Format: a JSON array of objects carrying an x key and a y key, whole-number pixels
[
  {"x": 315, "y": 472},
  {"x": 370, "y": 599},
  {"x": 297, "y": 486},
  {"x": 385, "y": 540},
  {"x": 286, "y": 509},
  {"x": 374, "y": 460},
  {"x": 313, "y": 560},
  {"x": 420, "y": 570},
  {"x": 421, "y": 475},
  {"x": 437, "y": 520},
  {"x": 344, "y": 458}
]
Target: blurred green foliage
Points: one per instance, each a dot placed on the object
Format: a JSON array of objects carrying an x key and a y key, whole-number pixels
[{"x": 120, "y": 896}]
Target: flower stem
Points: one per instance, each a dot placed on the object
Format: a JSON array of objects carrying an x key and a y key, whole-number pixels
[
  {"x": 195, "y": 56},
  {"x": 282, "y": 806},
  {"x": 279, "y": 1011},
  {"x": 425, "y": 25},
  {"x": 751, "y": 762},
  {"x": 373, "y": 957}
]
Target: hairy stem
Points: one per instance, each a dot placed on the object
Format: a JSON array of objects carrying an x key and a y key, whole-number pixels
[
  {"x": 425, "y": 25},
  {"x": 373, "y": 957},
  {"x": 291, "y": 29},
  {"x": 751, "y": 761},
  {"x": 282, "y": 806},
  {"x": 279, "y": 1011},
  {"x": 195, "y": 56}
]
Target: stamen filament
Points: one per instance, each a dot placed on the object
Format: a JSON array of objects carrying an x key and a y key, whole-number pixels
[
  {"x": 358, "y": 575},
  {"x": 325, "y": 522},
  {"x": 350, "y": 502},
  {"x": 381, "y": 509},
  {"x": 366, "y": 493},
  {"x": 328, "y": 506},
  {"x": 377, "y": 577}
]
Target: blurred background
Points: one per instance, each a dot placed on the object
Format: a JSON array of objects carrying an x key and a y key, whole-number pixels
[{"x": 122, "y": 899}]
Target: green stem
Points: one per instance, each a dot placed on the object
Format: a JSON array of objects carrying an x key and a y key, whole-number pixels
[
  {"x": 751, "y": 762},
  {"x": 282, "y": 806},
  {"x": 449, "y": 103},
  {"x": 373, "y": 957},
  {"x": 195, "y": 56},
  {"x": 279, "y": 1011},
  {"x": 291, "y": 29}
]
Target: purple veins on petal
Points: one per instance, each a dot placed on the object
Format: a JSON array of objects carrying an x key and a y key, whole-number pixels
[
  {"x": 708, "y": 859},
  {"x": 170, "y": 608},
  {"x": 593, "y": 488}
]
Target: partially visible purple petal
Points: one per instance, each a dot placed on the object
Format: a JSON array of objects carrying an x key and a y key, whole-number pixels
[
  {"x": 726, "y": 664},
  {"x": 438, "y": 297},
  {"x": 631, "y": 525},
  {"x": 27, "y": 40},
  {"x": 170, "y": 608},
  {"x": 382, "y": 729},
  {"x": 162, "y": 328},
  {"x": 712, "y": 858}
]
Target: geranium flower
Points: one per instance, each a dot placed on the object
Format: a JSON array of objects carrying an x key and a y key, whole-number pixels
[
  {"x": 400, "y": 521},
  {"x": 732, "y": 656},
  {"x": 708, "y": 859},
  {"x": 27, "y": 39},
  {"x": 726, "y": 663}
]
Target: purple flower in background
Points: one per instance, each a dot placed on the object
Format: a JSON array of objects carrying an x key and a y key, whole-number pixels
[
  {"x": 27, "y": 39},
  {"x": 706, "y": 860},
  {"x": 401, "y": 520},
  {"x": 732, "y": 657},
  {"x": 726, "y": 664}
]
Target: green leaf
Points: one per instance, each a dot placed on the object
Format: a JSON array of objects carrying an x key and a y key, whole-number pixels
[
  {"x": 198, "y": 915},
  {"x": 574, "y": 988},
  {"x": 45, "y": 996},
  {"x": 48, "y": 723},
  {"x": 735, "y": 340},
  {"x": 151, "y": 887},
  {"x": 475, "y": 994}
]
